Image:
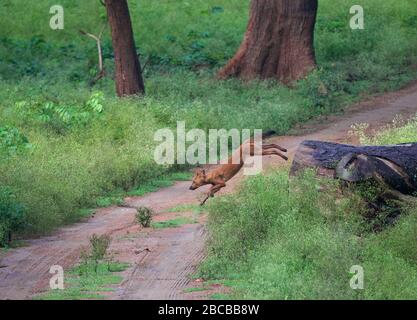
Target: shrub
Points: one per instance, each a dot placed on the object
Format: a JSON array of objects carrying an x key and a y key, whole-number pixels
[
  {"x": 12, "y": 216},
  {"x": 96, "y": 253},
  {"x": 144, "y": 216},
  {"x": 99, "y": 246},
  {"x": 61, "y": 117},
  {"x": 12, "y": 140}
]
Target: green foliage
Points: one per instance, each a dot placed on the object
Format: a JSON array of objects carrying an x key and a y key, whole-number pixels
[
  {"x": 196, "y": 289},
  {"x": 108, "y": 201},
  {"x": 70, "y": 170},
  {"x": 195, "y": 208},
  {"x": 12, "y": 141},
  {"x": 205, "y": 33},
  {"x": 62, "y": 117},
  {"x": 12, "y": 216},
  {"x": 277, "y": 239},
  {"x": 99, "y": 246},
  {"x": 173, "y": 223},
  {"x": 95, "y": 254},
  {"x": 144, "y": 216}
]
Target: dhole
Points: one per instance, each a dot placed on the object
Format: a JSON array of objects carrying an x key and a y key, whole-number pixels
[{"x": 222, "y": 173}]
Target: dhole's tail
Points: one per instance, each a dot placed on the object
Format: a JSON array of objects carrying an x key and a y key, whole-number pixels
[{"x": 268, "y": 133}]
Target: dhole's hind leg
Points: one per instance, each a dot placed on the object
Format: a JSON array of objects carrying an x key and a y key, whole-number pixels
[
  {"x": 269, "y": 149},
  {"x": 266, "y": 147},
  {"x": 273, "y": 152},
  {"x": 273, "y": 146}
]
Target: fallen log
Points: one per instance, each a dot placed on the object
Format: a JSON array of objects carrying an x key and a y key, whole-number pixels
[{"x": 393, "y": 165}]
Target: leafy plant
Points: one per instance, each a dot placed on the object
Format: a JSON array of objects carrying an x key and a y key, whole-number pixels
[
  {"x": 73, "y": 115},
  {"x": 144, "y": 216},
  {"x": 96, "y": 253},
  {"x": 99, "y": 246},
  {"x": 95, "y": 103},
  {"x": 173, "y": 223},
  {"x": 61, "y": 116},
  {"x": 12, "y": 140},
  {"x": 268, "y": 243}
]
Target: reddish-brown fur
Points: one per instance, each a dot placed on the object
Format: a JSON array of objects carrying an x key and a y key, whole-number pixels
[{"x": 222, "y": 173}]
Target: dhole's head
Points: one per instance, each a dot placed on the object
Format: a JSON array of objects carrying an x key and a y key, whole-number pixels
[{"x": 199, "y": 179}]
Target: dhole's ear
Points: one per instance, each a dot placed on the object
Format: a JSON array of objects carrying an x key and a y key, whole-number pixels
[{"x": 200, "y": 172}]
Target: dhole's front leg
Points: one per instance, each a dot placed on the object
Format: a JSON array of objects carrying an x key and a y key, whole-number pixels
[{"x": 215, "y": 188}]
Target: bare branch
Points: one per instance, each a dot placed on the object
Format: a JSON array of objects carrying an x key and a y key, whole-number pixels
[{"x": 102, "y": 72}]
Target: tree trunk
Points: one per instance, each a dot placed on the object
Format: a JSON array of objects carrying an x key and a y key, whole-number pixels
[
  {"x": 395, "y": 166},
  {"x": 127, "y": 67},
  {"x": 278, "y": 42}
]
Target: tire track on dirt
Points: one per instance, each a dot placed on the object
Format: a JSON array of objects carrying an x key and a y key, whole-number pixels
[{"x": 164, "y": 271}]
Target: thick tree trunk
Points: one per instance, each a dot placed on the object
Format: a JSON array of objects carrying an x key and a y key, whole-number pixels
[
  {"x": 127, "y": 67},
  {"x": 395, "y": 165},
  {"x": 278, "y": 42}
]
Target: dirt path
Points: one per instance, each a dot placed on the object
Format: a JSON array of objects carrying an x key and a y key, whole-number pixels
[
  {"x": 162, "y": 260},
  {"x": 376, "y": 112}
]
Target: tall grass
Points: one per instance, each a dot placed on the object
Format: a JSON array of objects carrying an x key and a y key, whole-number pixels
[
  {"x": 63, "y": 173},
  {"x": 399, "y": 131},
  {"x": 268, "y": 243},
  {"x": 278, "y": 239}
]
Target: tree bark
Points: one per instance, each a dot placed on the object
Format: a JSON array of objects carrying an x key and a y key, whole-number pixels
[
  {"x": 395, "y": 165},
  {"x": 128, "y": 73},
  {"x": 278, "y": 43}
]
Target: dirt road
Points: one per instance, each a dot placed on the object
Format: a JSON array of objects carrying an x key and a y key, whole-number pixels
[{"x": 162, "y": 260}]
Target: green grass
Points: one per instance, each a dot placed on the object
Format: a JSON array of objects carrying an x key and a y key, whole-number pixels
[
  {"x": 82, "y": 282},
  {"x": 267, "y": 243},
  {"x": 196, "y": 289},
  {"x": 85, "y": 212},
  {"x": 399, "y": 131},
  {"x": 173, "y": 223},
  {"x": 161, "y": 182},
  {"x": 166, "y": 180},
  {"x": 103, "y": 202},
  {"x": 85, "y": 147},
  {"x": 195, "y": 208}
]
